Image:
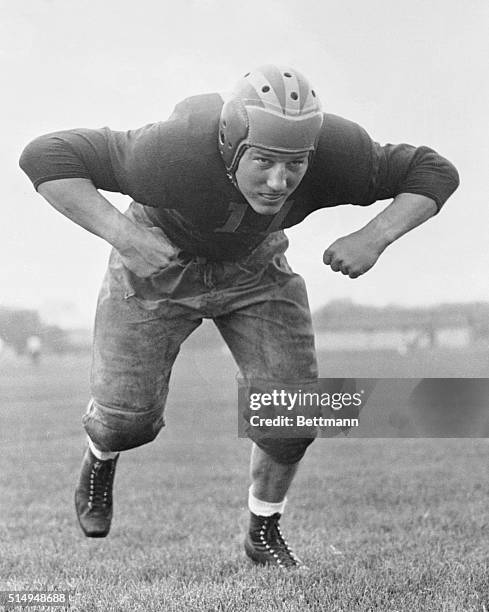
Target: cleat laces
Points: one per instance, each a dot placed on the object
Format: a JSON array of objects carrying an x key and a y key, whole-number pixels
[
  {"x": 100, "y": 484},
  {"x": 270, "y": 540}
]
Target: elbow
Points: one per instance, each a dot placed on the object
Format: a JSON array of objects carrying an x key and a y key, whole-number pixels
[
  {"x": 33, "y": 157},
  {"x": 455, "y": 176},
  {"x": 452, "y": 180},
  {"x": 26, "y": 157},
  {"x": 32, "y": 151},
  {"x": 449, "y": 181},
  {"x": 451, "y": 173}
]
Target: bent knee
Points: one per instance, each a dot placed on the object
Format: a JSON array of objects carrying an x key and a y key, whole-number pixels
[{"x": 117, "y": 429}]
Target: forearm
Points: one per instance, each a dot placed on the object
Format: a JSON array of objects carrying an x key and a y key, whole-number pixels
[
  {"x": 79, "y": 200},
  {"x": 356, "y": 253},
  {"x": 405, "y": 212},
  {"x": 144, "y": 250}
]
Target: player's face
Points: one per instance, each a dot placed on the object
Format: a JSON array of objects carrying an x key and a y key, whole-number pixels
[{"x": 267, "y": 179}]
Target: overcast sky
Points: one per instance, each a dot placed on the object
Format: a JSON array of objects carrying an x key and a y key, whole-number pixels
[{"x": 406, "y": 71}]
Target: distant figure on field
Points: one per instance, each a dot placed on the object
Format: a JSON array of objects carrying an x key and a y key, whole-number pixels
[{"x": 34, "y": 347}]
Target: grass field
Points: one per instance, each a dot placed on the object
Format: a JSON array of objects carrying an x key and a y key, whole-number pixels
[{"x": 384, "y": 525}]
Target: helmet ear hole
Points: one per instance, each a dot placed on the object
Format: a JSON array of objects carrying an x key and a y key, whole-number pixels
[{"x": 233, "y": 130}]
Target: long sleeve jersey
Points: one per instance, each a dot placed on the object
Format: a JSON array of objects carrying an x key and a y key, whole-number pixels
[{"x": 175, "y": 170}]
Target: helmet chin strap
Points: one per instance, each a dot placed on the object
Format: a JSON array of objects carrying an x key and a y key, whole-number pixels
[
  {"x": 231, "y": 176},
  {"x": 231, "y": 172}
]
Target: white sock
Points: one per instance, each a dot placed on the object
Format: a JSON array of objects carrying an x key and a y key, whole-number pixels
[
  {"x": 102, "y": 455},
  {"x": 264, "y": 508}
]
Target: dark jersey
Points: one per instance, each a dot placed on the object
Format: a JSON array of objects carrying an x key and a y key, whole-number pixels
[{"x": 174, "y": 168}]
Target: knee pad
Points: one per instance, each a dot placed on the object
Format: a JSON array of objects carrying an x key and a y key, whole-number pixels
[
  {"x": 116, "y": 429},
  {"x": 271, "y": 424},
  {"x": 285, "y": 450}
]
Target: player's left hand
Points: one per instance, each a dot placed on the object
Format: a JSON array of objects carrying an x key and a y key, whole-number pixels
[{"x": 353, "y": 255}]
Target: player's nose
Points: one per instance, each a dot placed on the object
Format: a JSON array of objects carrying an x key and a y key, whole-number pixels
[{"x": 277, "y": 177}]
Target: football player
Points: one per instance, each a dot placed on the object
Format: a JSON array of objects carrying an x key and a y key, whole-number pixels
[{"x": 213, "y": 188}]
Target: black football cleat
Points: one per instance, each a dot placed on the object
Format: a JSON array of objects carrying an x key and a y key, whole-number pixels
[
  {"x": 93, "y": 495},
  {"x": 265, "y": 545}
]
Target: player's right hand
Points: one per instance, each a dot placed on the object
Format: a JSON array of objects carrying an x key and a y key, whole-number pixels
[{"x": 147, "y": 252}]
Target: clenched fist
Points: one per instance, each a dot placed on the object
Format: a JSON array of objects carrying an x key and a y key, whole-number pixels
[{"x": 353, "y": 255}]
